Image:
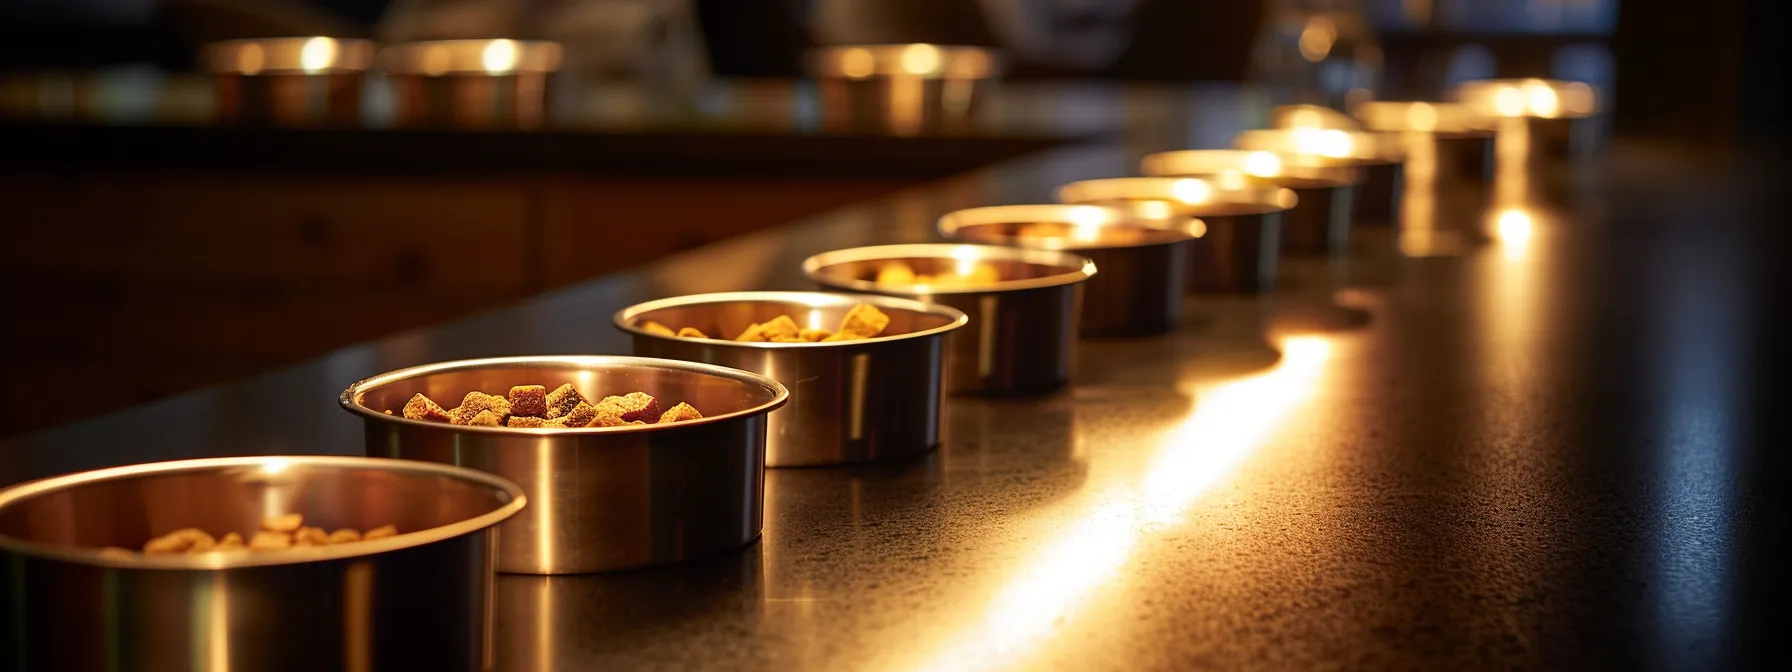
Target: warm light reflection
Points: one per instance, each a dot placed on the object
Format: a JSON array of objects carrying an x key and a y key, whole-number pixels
[
  {"x": 1322, "y": 142},
  {"x": 1541, "y": 99},
  {"x": 1316, "y": 39},
  {"x": 251, "y": 59},
  {"x": 500, "y": 56},
  {"x": 966, "y": 258},
  {"x": 921, "y": 59},
  {"x": 1262, "y": 164},
  {"x": 1229, "y": 423},
  {"x": 1191, "y": 191},
  {"x": 318, "y": 54},
  {"x": 857, "y": 63},
  {"x": 1154, "y": 209},
  {"x": 275, "y": 466},
  {"x": 1509, "y": 102},
  {"x": 1421, "y": 117},
  {"x": 1514, "y": 228}
]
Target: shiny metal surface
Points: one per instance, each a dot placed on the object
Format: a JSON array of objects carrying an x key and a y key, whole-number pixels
[
  {"x": 850, "y": 401},
  {"x": 1318, "y": 222},
  {"x": 1022, "y": 333},
  {"x": 422, "y": 598},
  {"x": 470, "y": 83},
  {"x": 1238, "y": 248},
  {"x": 902, "y": 88},
  {"x": 1560, "y": 449},
  {"x": 1144, "y": 262},
  {"x": 606, "y": 498},
  {"x": 289, "y": 80}
]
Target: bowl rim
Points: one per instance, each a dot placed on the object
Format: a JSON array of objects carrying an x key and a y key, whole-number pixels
[
  {"x": 352, "y": 55},
  {"x": 1180, "y": 227},
  {"x": 1270, "y": 199},
  {"x": 1308, "y": 172},
  {"x": 954, "y": 61},
  {"x": 348, "y": 401},
  {"x": 292, "y": 556},
  {"x": 1077, "y": 268},
  {"x": 622, "y": 319}
]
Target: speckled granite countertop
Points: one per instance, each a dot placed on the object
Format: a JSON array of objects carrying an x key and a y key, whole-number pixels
[{"x": 1547, "y": 449}]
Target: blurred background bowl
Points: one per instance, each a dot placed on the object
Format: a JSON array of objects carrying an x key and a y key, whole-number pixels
[
  {"x": 850, "y": 401},
  {"x": 470, "y": 83},
  {"x": 602, "y": 498},
  {"x": 902, "y": 88},
  {"x": 418, "y": 600},
  {"x": 289, "y": 80}
]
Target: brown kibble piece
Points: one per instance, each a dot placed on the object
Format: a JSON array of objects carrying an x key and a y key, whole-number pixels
[
  {"x": 864, "y": 321},
  {"x": 580, "y": 416},
  {"x": 657, "y": 329},
  {"x": 529, "y": 400},
  {"x": 179, "y": 541},
  {"x": 525, "y": 421},
  {"x": 231, "y": 541},
  {"x": 380, "y": 532},
  {"x": 636, "y": 406},
  {"x": 682, "y": 411},
  {"x": 780, "y": 326},
  {"x": 788, "y": 339},
  {"x": 607, "y": 413},
  {"x": 266, "y": 540},
  {"x": 422, "y": 408},
  {"x": 116, "y": 553},
  {"x": 753, "y": 334},
  {"x": 486, "y": 418},
  {"x": 454, "y": 416},
  {"x": 690, "y": 332},
  {"x": 285, "y": 523},
  {"x": 843, "y": 336},
  {"x": 563, "y": 399},
  {"x": 477, "y": 402},
  {"x": 814, "y": 335},
  {"x": 896, "y": 273},
  {"x": 344, "y": 535},
  {"x": 311, "y": 536}
]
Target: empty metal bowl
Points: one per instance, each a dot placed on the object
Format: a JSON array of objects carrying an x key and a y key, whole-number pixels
[
  {"x": 850, "y": 401},
  {"x": 1238, "y": 244},
  {"x": 1023, "y": 312},
  {"x": 418, "y": 600},
  {"x": 601, "y": 498},
  {"x": 1377, "y": 158},
  {"x": 1555, "y": 121},
  {"x": 289, "y": 80},
  {"x": 1143, "y": 262},
  {"x": 1461, "y": 139},
  {"x": 902, "y": 88},
  {"x": 470, "y": 83}
]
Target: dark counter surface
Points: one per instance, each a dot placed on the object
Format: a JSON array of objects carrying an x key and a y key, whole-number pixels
[{"x": 1549, "y": 450}]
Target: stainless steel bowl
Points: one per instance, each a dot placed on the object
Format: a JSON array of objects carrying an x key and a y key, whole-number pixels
[
  {"x": 289, "y": 80},
  {"x": 1022, "y": 334},
  {"x": 902, "y": 88},
  {"x": 1144, "y": 262},
  {"x": 1239, "y": 240},
  {"x": 419, "y": 600},
  {"x": 1318, "y": 221},
  {"x": 601, "y": 498},
  {"x": 851, "y": 401},
  {"x": 470, "y": 83}
]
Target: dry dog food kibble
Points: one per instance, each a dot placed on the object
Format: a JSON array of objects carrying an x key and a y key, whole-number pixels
[
  {"x": 276, "y": 533},
  {"x": 534, "y": 407},
  {"x": 899, "y": 273},
  {"x": 862, "y": 322}
]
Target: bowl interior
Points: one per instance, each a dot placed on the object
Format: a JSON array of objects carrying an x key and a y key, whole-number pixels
[
  {"x": 727, "y": 319},
  {"x": 128, "y": 510},
  {"x": 866, "y": 270},
  {"x": 1067, "y": 236},
  {"x": 711, "y": 394}
]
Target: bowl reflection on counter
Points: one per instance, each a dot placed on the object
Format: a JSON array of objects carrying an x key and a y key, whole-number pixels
[
  {"x": 289, "y": 80},
  {"x": 1241, "y": 222},
  {"x": 602, "y": 498},
  {"x": 902, "y": 88},
  {"x": 1144, "y": 262},
  {"x": 421, "y": 599},
  {"x": 1022, "y": 331},
  {"x": 851, "y": 401},
  {"x": 470, "y": 83}
]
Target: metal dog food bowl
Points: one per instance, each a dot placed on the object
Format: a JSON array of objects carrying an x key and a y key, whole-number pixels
[
  {"x": 850, "y": 401},
  {"x": 1022, "y": 331},
  {"x": 601, "y": 498},
  {"x": 1144, "y": 262},
  {"x": 289, "y": 80},
  {"x": 419, "y": 600},
  {"x": 470, "y": 83},
  {"x": 1242, "y": 220},
  {"x": 902, "y": 88}
]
